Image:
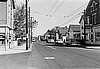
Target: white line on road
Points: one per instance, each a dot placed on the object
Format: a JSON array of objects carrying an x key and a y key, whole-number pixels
[
  {"x": 75, "y": 48},
  {"x": 51, "y": 47}
]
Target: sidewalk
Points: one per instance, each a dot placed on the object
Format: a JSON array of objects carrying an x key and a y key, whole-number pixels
[
  {"x": 17, "y": 49},
  {"x": 93, "y": 47}
]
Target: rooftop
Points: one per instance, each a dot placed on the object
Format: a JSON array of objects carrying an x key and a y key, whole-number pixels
[{"x": 74, "y": 28}]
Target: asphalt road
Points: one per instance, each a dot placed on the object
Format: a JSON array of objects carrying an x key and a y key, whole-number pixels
[{"x": 48, "y": 56}]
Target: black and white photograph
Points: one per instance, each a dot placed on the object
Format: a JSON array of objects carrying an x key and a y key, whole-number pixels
[{"x": 49, "y": 34}]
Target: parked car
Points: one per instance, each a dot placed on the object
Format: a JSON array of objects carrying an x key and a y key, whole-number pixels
[
  {"x": 59, "y": 41},
  {"x": 50, "y": 40},
  {"x": 75, "y": 43},
  {"x": 68, "y": 42}
]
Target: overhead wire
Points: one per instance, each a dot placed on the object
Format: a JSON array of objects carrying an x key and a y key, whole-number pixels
[
  {"x": 56, "y": 9},
  {"x": 73, "y": 18},
  {"x": 72, "y": 13},
  {"x": 53, "y": 6},
  {"x": 50, "y": 10},
  {"x": 83, "y": 6}
]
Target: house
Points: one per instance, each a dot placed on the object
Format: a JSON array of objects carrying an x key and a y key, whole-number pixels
[
  {"x": 81, "y": 22},
  {"x": 50, "y": 36},
  {"x": 6, "y": 22},
  {"x": 92, "y": 22},
  {"x": 55, "y": 32},
  {"x": 82, "y": 30},
  {"x": 74, "y": 32},
  {"x": 63, "y": 31}
]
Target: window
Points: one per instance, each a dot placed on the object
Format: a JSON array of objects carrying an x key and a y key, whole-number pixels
[
  {"x": 91, "y": 36},
  {"x": 88, "y": 20},
  {"x": 94, "y": 6},
  {"x": 82, "y": 27},
  {"x": 94, "y": 18},
  {"x": 97, "y": 36}
]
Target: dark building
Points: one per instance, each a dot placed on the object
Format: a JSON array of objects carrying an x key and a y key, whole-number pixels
[{"x": 92, "y": 21}]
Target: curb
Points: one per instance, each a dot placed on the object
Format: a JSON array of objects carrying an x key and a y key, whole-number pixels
[
  {"x": 97, "y": 48},
  {"x": 14, "y": 52}
]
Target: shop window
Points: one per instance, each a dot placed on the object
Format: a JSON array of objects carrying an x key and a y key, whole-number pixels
[
  {"x": 97, "y": 36},
  {"x": 94, "y": 18},
  {"x": 2, "y": 38}
]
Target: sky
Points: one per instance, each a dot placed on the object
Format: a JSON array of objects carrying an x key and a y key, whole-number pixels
[{"x": 51, "y": 13}]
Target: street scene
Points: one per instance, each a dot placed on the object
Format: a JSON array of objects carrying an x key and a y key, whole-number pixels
[
  {"x": 49, "y": 56},
  {"x": 49, "y": 34}
]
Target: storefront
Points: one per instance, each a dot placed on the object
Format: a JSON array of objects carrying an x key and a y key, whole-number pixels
[
  {"x": 6, "y": 35},
  {"x": 97, "y": 35}
]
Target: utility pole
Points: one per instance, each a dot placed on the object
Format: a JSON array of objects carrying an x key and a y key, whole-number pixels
[
  {"x": 84, "y": 27},
  {"x": 29, "y": 27},
  {"x": 26, "y": 28}
]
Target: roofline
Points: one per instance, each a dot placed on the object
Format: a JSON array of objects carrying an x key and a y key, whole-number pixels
[
  {"x": 89, "y": 5},
  {"x": 81, "y": 19},
  {"x": 13, "y": 3},
  {"x": 72, "y": 25}
]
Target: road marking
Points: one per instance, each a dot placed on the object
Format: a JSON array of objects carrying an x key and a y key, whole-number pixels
[
  {"x": 49, "y": 58},
  {"x": 51, "y": 47},
  {"x": 76, "y": 48}
]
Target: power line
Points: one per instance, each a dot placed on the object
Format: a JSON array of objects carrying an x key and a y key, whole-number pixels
[
  {"x": 70, "y": 14},
  {"x": 53, "y": 6},
  {"x": 75, "y": 11},
  {"x": 50, "y": 10},
  {"x": 58, "y": 8},
  {"x": 83, "y": 6},
  {"x": 73, "y": 18}
]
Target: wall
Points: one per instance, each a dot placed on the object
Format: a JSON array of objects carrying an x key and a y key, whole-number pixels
[
  {"x": 82, "y": 28},
  {"x": 9, "y": 14},
  {"x": 3, "y": 13},
  {"x": 70, "y": 34},
  {"x": 97, "y": 34}
]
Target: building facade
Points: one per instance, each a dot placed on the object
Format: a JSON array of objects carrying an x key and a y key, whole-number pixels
[
  {"x": 6, "y": 22},
  {"x": 63, "y": 31},
  {"x": 74, "y": 32},
  {"x": 92, "y": 22}
]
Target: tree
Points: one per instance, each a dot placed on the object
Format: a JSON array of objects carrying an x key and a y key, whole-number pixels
[{"x": 19, "y": 21}]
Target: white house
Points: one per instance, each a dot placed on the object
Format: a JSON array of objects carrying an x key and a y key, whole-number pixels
[{"x": 74, "y": 32}]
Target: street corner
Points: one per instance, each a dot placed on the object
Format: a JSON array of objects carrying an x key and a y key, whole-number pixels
[{"x": 12, "y": 51}]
